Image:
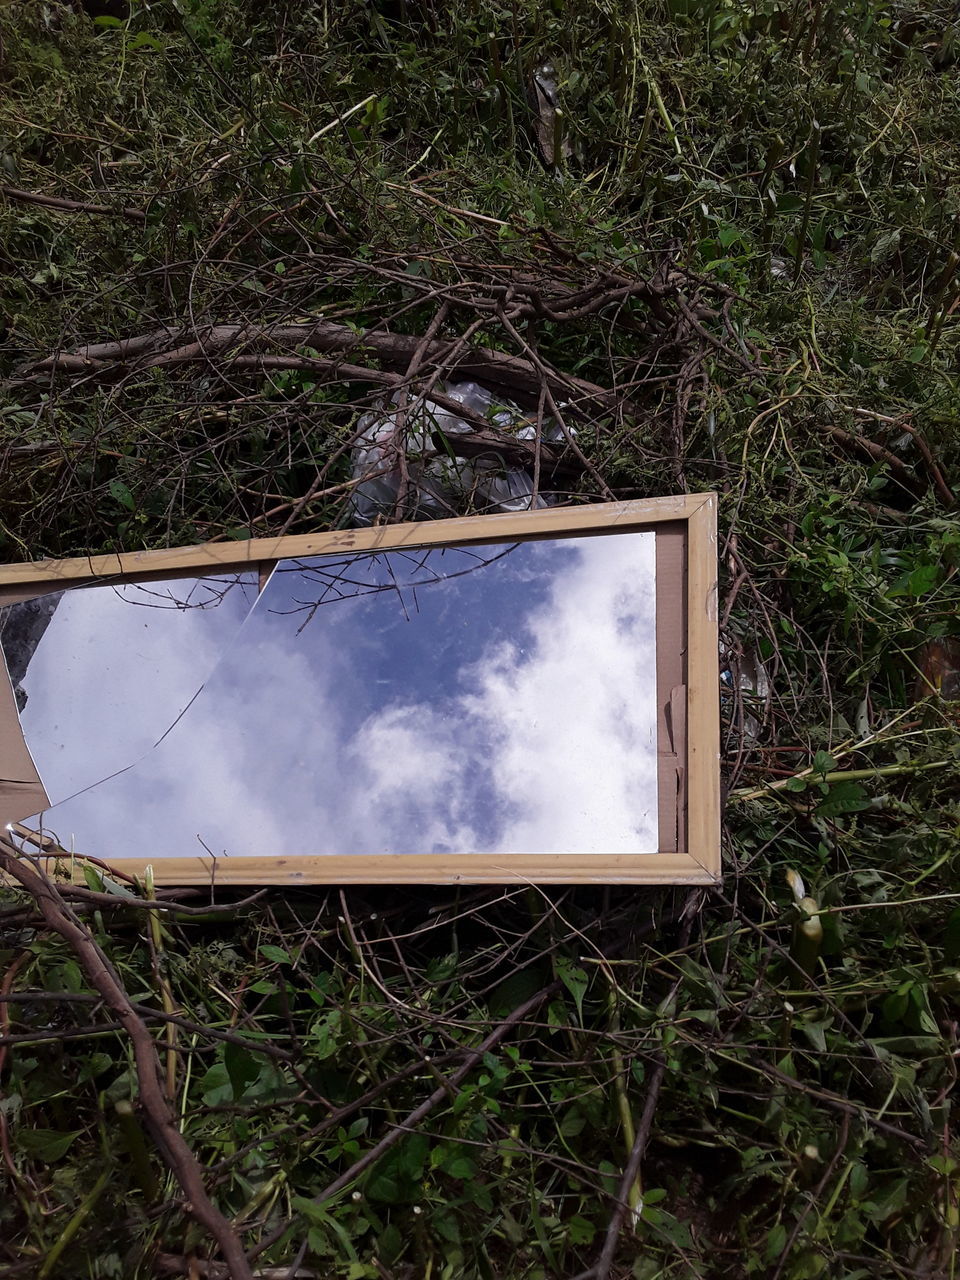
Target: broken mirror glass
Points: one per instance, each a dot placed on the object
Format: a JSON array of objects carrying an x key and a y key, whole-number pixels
[
  {"x": 486, "y": 699},
  {"x": 100, "y": 673}
]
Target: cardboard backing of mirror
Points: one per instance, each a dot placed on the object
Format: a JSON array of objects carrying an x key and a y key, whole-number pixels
[{"x": 499, "y": 699}]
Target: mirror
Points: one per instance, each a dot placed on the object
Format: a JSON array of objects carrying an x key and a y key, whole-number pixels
[{"x": 441, "y": 700}]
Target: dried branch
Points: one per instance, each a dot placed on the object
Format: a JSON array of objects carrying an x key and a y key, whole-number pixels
[
  {"x": 71, "y": 206},
  {"x": 877, "y": 453},
  {"x": 227, "y": 343},
  {"x": 169, "y": 1264},
  {"x": 943, "y": 490}
]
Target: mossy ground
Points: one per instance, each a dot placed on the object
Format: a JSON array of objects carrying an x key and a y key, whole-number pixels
[{"x": 805, "y": 157}]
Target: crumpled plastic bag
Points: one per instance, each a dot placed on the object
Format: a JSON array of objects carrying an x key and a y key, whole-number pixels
[
  {"x": 745, "y": 670},
  {"x": 543, "y": 94},
  {"x": 441, "y": 485}
]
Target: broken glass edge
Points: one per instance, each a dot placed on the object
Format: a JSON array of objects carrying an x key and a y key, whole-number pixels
[{"x": 166, "y": 588}]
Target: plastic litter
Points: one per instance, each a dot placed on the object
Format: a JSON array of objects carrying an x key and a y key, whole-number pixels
[
  {"x": 439, "y": 485},
  {"x": 548, "y": 120},
  {"x": 745, "y": 671}
]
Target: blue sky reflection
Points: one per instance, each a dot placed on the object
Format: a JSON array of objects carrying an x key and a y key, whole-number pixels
[{"x": 460, "y": 700}]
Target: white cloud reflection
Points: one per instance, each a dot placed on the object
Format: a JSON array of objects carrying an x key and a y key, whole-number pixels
[
  {"x": 515, "y": 711},
  {"x": 115, "y": 667}
]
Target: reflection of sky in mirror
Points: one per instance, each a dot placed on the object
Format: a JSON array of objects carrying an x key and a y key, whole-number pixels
[
  {"x": 453, "y": 700},
  {"x": 114, "y": 667}
]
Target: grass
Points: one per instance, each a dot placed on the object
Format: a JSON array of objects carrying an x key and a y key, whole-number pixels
[{"x": 802, "y": 157}]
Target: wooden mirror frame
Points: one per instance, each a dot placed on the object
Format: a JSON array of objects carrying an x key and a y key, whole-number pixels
[{"x": 687, "y": 639}]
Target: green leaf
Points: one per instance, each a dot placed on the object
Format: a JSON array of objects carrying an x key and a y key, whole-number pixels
[
  {"x": 445, "y": 1225},
  {"x": 300, "y": 176},
  {"x": 216, "y": 1086},
  {"x": 776, "y": 1239},
  {"x": 92, "y": 878},
  {"x": 390, "y": 1244},
  {"x": 579, "y": 1230},
  {"x": 242, "y": 1068},
  {"x": 885, "y": 245},
  {"x": 395, "y": 1178},
  {"x": 922, "y": 1017},
  {"x": 309, "y": 1209},
  {"x": 610, "y": 1174},
  {"x": 325, "y": 1035},
  {"x": 46, "y": 1144},
  {"x": 909, "y": 1046},
  {"x": 359, "y": 1127},
  {"x": 146, "y": 41},
  {"x": 808, "y": 1266},
  {"x": 843, "y": 797},
  {"x": 895, "y": 1004},
  {"x": 859, "y": 1179},
  {"x": 326, "y": 1223},
  {"x": 95, "y": 1066},
  {"x": 884, "y": 1204},
  {"x": 71, "y": 976},
  {"x": 575, "y": 979},
  {"x": 276, "y": 954},
  {"x": 918, "y": 582},
  {"x": 572, "y": 1123},
  {"x": 814, "y": 1031},
  {"x": 789, "y": 204},
  {"x": 515, "y": 990},
  {"x": 120, "y": 492},
  {"x": 460, "y": 1166}
]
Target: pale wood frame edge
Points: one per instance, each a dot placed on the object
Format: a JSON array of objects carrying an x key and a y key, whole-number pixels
[
  {"x": 236, "y": 556},
  {"x": 703, "y": 687},
  {"x": 399, "y": 868},
  {"x": 703, "y": 707}
]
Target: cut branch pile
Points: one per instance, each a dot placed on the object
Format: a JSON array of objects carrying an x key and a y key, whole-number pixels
[{"x": 297, "y": 368}]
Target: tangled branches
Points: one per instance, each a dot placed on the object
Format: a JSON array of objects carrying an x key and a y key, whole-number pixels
[
  {"x": 442, "y": 1045},
  {"x": 156, "y": 1106},
  {"x": 262, "y": 393}
]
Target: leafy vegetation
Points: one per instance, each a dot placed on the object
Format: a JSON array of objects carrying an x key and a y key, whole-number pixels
[{"x": 786, "y": 1052}]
